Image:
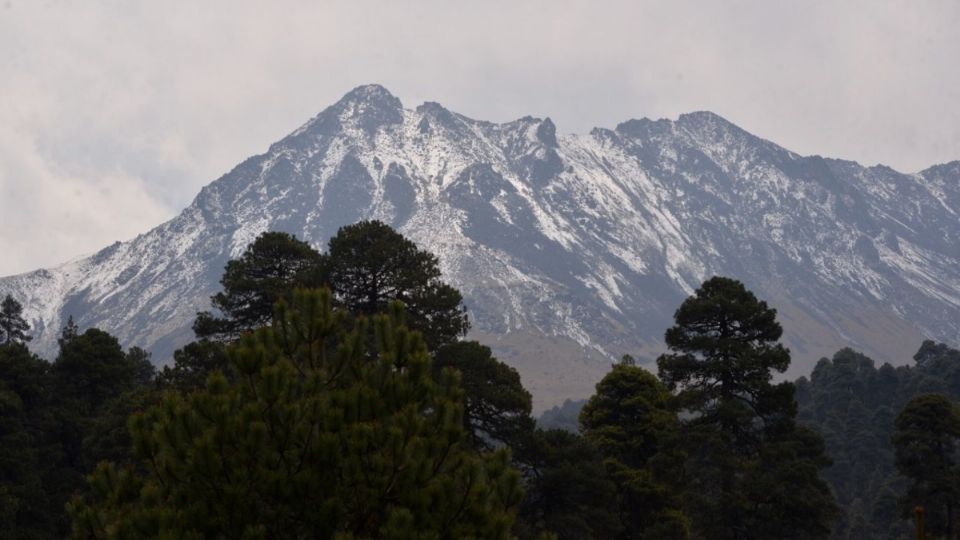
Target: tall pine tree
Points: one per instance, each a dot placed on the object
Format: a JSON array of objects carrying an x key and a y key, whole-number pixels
[
  {"x": 13, "y": 329},
  {"x": 738, "y": 424},
  {"x": 69, "y": 331},
  {"x": 630, "y": 422},
  {"x": 370, "y": 265}
]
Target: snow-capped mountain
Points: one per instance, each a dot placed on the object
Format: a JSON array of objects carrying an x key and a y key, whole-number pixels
[{"x": 569, "y": 249}]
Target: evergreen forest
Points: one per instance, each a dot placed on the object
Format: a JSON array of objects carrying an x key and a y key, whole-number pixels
[{"x": 335, "y": 394}]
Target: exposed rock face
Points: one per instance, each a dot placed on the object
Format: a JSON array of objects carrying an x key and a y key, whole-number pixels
[{"x": 570, "y": 249}]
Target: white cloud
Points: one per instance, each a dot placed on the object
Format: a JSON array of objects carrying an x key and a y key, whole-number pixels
[
  {"x": 114, "y": 113},
  {"x": 49, "y": 214}
]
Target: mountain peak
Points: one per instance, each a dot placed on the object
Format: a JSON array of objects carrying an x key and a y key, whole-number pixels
[
  {"x": 371, "y": 93},
  {"x": 703, "y": 118},
  {"x": 369, "y": 107},
  {"x": 696, "y": 122}
]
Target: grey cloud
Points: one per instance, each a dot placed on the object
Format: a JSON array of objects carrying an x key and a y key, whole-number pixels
[{"x": 113, "y": 114}]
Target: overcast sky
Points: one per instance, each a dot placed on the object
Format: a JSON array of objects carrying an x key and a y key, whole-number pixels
[{"x": 113, "y": 114}]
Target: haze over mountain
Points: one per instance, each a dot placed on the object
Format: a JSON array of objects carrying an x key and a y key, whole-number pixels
[{"x": 570, "y": 249}]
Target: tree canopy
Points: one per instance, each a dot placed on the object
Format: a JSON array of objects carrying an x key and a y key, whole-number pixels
[
  {"x": 370, "y": 265},
  {"x": 630, "y": 422},
  {"x": 361, "y": 412},
  {"x": 568, "y": 492},
  {"x": 325, "y": 432},
  {"x": 24, "y": 510},
  {"x": 57, "y": 421},
  {"x": 266, "y": 271},
  {"x": 496, "y": 406},
  {"x": 724, "y": 351},
  {"x": 925, "y": 440},
  {"x": 854, "y": 404}
]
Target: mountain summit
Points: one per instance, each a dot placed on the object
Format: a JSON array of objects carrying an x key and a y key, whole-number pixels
[{"x": 570, "y": 250}]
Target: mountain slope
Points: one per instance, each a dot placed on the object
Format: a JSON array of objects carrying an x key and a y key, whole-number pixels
[{"x": 569, "y": 249}]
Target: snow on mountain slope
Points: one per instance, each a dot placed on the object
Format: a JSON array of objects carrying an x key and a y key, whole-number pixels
[{"x": 569, "y": 249}]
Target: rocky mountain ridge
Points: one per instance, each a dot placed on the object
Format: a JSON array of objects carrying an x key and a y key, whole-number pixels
[{"x": 570, "y": 249}]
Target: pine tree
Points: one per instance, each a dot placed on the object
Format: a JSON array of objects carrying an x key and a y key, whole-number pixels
[
  {"x": 325, "y": 432},
  {"x": 630, "y": 422},
  {"x": 926, "y": 441},
  {"x": 69, "y": 331},
  {"x": 13, "y": 329},
  {"x": 854, "y": 405},
  {"x": 144, "y": 374},
  {"x": 57, "y": 421},
  {"x": 268, "y": 270},
  {"x": 497, "y": 407},
  {"x": 193, "y": 363},
  {"x": 725, "y": 350},
  {"x": 568, "y": 491},
  {"x": 370, "y": 265},
  {"x": 25, "y": 508},
  {"x": 90, "y": 370},
  {"x": 783, "y": 490}
]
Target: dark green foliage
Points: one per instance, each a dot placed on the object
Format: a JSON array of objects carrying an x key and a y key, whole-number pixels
[
  {"x": 193, "y": 364},
  {"x": 568, "y": 492},
  {"x": 725, "y": 351},
  {"x": 13, "y": 329},
  {"x": 925, "y": 441},
  {"x": 370, "y": 265},
  {"x": 105, "y": 433},
  {"x": 92, "y": 369},
  {"x": 25, "y": 374},
  {"x": 266, "y": 272},
  {"x": 783, "y": 486},
  {"x": 144, "y": 374},
  {"x": 629, "y": 417},
  {"x": 630, "y": 422},
  {"x": 57, "y": 421},
  {"x": 19, "y": 484},
  {"x": 934, "y": 356},
  {"x": 854, "y": 404},
  {"x": 318, "y": 425},
  {"x": 95, "y": 387},
  {"x": 497, "y": 407},
  {"x": 844, "y": 402},
  {"x": 24, "y": 509},
  {"x": 69, "y": 331},
  {"x": 324, "y": 432}
]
